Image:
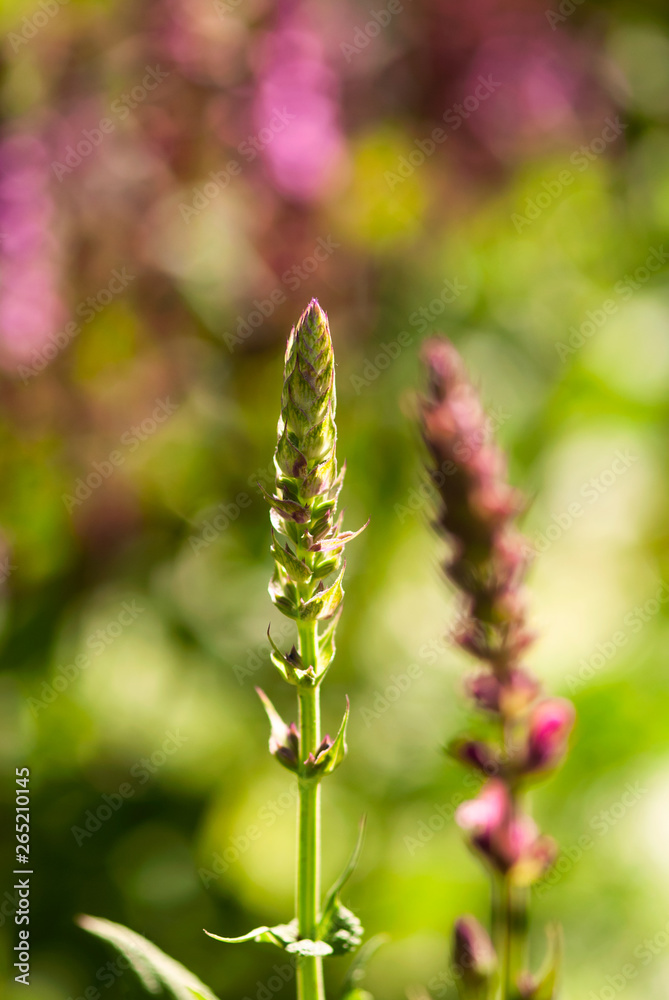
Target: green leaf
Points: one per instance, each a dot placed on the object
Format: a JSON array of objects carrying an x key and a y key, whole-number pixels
[
  {"x": 319, "y": 440},
  {"x": 339, "y": 541},
  {"x": 283, "y": 740},
  {"x": 320, "y": 479},
  {"x": 339, "y": 926},
  {"x": 321, "y": 522},
  {"x": 544, "y": 985},
  {"x": 349, "y": 869},
  {"x": 284, "y": 596},
  {"x": 358, "y": 968},
  {"x": 335, "y": 489},
  {"x": 324, "y": 604},
  {"x": 289, "y": 509},
  {"x": 289, "y": 458},
  {"x": 306, "y": 947},
  {"x": 281, "y": 935},
  {"x": 156, "y": 970},
  {"x": 329, "y": 760},
  {"x": 289, "y": 665},
  {"x": 326, "y": 644},
  {"x": 296, "y": 569},
  {"x": 344, "y": 931},
  {"x": 327, "y": 566}
]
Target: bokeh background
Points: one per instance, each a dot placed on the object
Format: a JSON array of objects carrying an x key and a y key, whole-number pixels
[{"x": 178, "y": 178}]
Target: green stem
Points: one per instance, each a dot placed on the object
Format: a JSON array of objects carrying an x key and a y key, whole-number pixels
[
  {"x": 500, "y": 933},
  {"x": 509, "y": 927},
  {"x": 310, "y": 968},
  {"x": 509, "y": 911}
]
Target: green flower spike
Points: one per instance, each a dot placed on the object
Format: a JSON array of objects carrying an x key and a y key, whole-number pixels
[{"x": 306, "y": 586}]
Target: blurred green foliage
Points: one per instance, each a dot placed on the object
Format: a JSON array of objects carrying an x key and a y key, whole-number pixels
[{"x": 186, "y": 664}]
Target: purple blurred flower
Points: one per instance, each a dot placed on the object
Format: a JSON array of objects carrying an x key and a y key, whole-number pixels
[
  {"x": 474, "y": 957},
  {"x": 305, "y": 153},
  {"x": 517, "y": 692},
  {"x": 507, "y": 838},
  {"x": 31, "y": 310}
]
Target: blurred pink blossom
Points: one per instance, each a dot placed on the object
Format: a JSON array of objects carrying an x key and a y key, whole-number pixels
[
  {"x": 31, "y": 309},
  {"x": 294, "y": 79},
  {"x": 550, "y": 725},
  {"x": 506, "y": 838}
]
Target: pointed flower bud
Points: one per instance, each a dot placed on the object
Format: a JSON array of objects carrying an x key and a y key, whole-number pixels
[
  {"x": 284, "y": 740},
  {"x": 549, "y": 728},
  {"x": 308, "y": 542},
  {"x": 474, "y": 958}
]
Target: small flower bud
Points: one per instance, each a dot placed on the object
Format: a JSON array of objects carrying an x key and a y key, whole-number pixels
[
  {"x": 476, "y": 754},
  {"x": 510, "y": 695},
  {"x": 474, "y": 958},
  {"x": 549, "y": 728}
]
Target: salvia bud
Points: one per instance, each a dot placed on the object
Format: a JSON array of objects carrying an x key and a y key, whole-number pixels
[
  {"x": 550, "y": 723},
  {"x": 509, "y": 698},
  {"x": 474, "y": 959}
]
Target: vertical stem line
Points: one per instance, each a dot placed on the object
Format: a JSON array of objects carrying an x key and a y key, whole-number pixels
[
  {"x": 500, "y": 933},
  {"x": 509, "y": 906},
  {"x": 310, "y": 968}
]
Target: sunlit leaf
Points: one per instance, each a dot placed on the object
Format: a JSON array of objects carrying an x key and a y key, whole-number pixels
[{"x": 156, "y": 970}]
